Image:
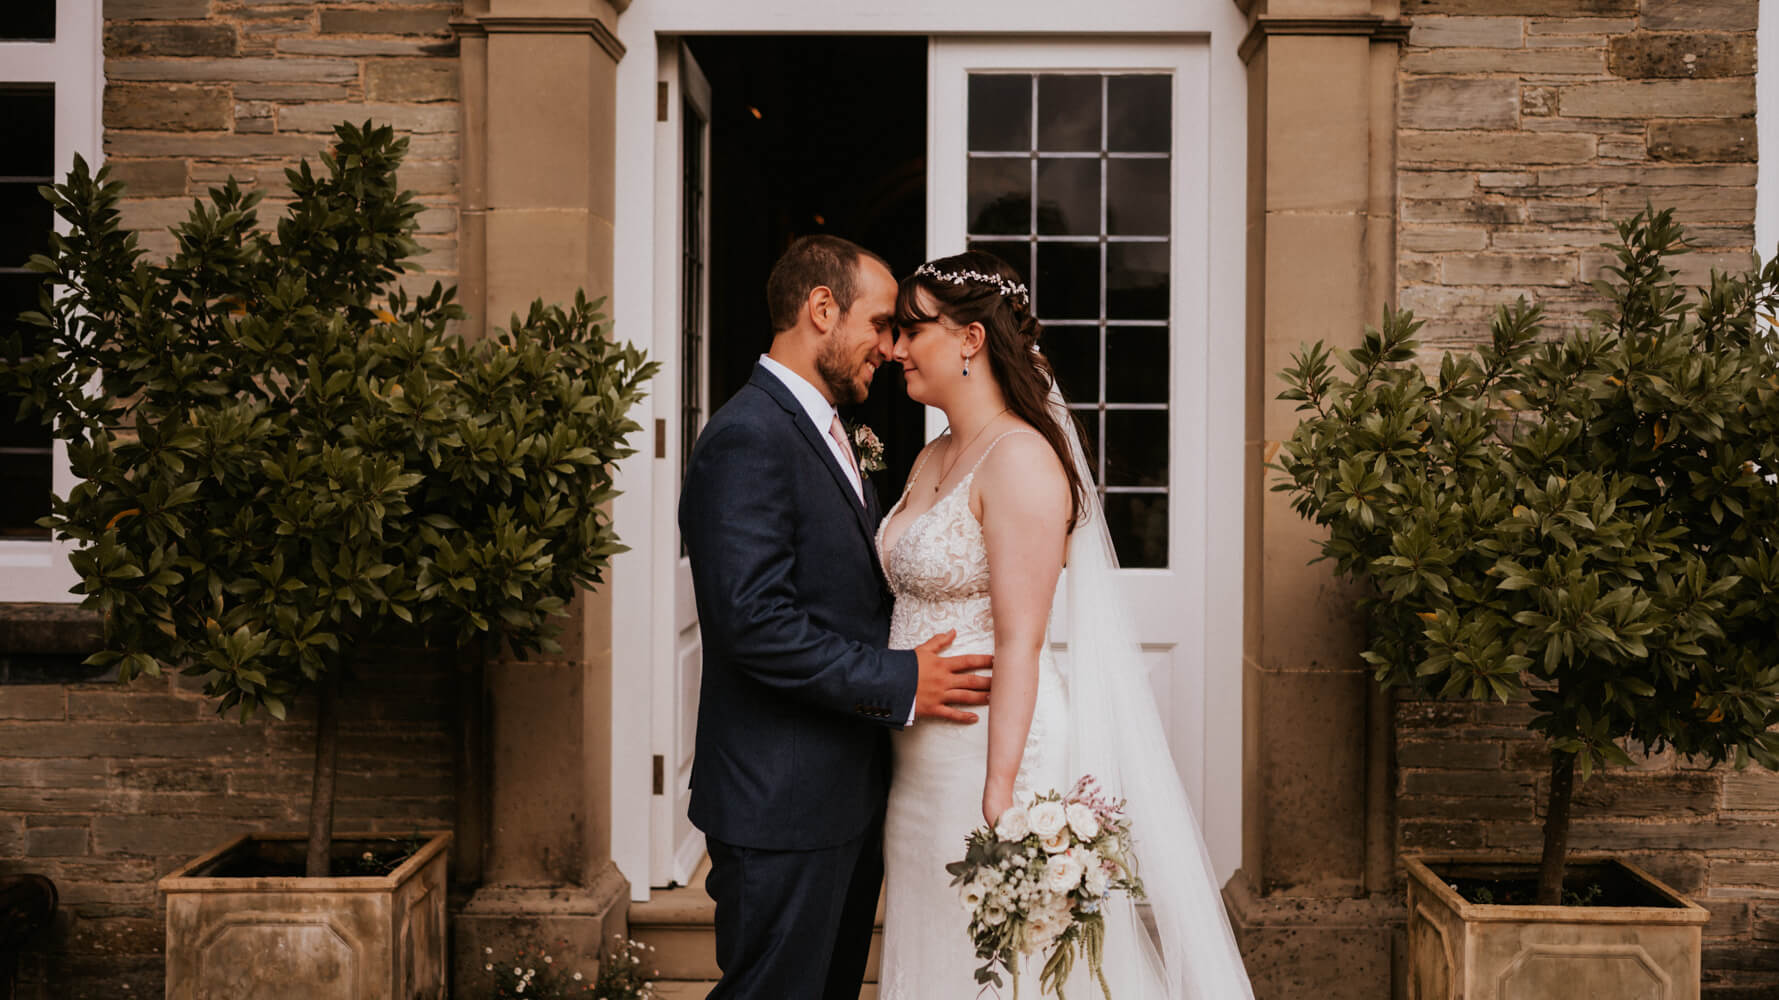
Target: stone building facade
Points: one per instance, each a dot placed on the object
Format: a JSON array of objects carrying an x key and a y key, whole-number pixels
[{"x": 1444, "y": 155}]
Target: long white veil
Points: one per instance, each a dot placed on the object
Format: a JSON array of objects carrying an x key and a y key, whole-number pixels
[{"x": 1115, "y": 734}]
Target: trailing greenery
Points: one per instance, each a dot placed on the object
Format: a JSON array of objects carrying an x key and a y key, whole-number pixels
[
  {"x": 280, "y": 462},
  {"x": 1589, "y": 521}
]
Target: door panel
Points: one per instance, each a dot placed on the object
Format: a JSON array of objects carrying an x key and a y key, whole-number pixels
[
  {"x": 1070, "y": 161},
  {"x": 684, "y": 128}
]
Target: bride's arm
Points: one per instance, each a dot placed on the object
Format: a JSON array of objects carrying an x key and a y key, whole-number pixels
[{"x": 1024, "y": 503}]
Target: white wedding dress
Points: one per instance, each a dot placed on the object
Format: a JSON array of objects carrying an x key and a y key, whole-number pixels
[{"x": 938, "y": 571}]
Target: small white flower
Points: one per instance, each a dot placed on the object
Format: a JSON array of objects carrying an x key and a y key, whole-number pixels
[
  {"x": 1048, "y": 819},
  {"x": 1096, "y": 881},
  {"x": 487, "y": 951},
  {"x": 971, "y": 896},
  {"x": 1014, "y": 824},
  {"x": 994, "y": 916},
  {"x": 489, "y": 967},
  {"x": 518, "y": 971},
  {"x": 1057, "y": 843},
  {"x": 548, "y": 960},
  {"x": 576, "y": 977},
  {"x": 1082, "y": 820}
]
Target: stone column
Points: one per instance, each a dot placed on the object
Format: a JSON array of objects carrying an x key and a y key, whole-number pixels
[
  {"x": 538, "y": 161},
  {"x": 1321, "y": 257}
]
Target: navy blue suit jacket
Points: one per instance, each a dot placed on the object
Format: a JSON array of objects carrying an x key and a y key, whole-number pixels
[{"x": 799, "y": 694}]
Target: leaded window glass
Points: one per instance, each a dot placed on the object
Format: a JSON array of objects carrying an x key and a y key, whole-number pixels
[
  {"x": 1070, "y": 181},
  {"x": 27, "y": 161}
]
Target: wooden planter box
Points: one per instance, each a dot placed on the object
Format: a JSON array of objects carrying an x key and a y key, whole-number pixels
[
  {"x": 271, "y": 938},
  {"x": 1467, "y": 951}
]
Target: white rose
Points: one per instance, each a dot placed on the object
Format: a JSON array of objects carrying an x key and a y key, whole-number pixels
[
  {"x": 1097, "y": 881},
  {"x": 1058, "y": 842},
  {"x": 1064, "y": 873},
  {"x": 1048, "y": 819},
  {"x": 1014, "y": 825},
  {"x": 994, "y": 916},
  {"x": 1082, "y": 820}
]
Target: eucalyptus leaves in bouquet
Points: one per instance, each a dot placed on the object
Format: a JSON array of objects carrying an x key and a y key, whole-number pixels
[
  {"x": 282, "y": 462},
  {"x": 1587, "y": 520}
]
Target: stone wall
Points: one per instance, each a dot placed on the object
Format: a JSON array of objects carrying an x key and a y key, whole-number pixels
[
  {"x": 200, "y": 90},
  {"x": 106, "y": 787},
  {"x": 1472, "y": 781},
  {"x": 1528, "y": 126}
]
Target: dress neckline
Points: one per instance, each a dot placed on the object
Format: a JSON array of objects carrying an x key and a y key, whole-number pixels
[{"x": 883, "y": 552}]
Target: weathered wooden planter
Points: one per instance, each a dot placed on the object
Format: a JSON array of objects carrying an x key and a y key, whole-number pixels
[
  {"x": 1466, "y": 951},
  {"x": 252, "y": 937}
]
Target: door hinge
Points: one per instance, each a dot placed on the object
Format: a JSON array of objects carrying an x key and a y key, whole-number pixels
[
  {"x": 660, "y": 437},
  {"x": 660, "y": 775},
  {"x": 661, "y": 100}
]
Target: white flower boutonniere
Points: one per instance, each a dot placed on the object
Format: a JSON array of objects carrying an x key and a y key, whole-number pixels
[{"x": 867, "y": 447}]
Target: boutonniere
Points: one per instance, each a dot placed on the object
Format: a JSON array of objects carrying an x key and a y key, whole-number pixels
[{"x": 867, "y": 447}]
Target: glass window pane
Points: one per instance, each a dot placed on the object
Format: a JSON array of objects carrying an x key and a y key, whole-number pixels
[
  {"x": 1138, "y": 525},
  {"x": 24, "y": 223},
  {"x": 1137, "y": 281},
  {"x": 1018, "y": 254},
  {"x": 26, "y": 497},
  {"x": 1137, "y": 197},
  {"x": 1069, "y": 197},
  {"x": 1000, "y": 192},
  {"x": 1069, "y": 113},
  {"x": 1068, "y": 284},
  {"x": 1141, "y": 113},
  {"x": 1000, "y": 112},
  {"x": 29, "y": 20},
  {"x": 1136, "y": 447},
  {"x": 1136, "y": 364},
  {"x": 1074, "y": 353},
  {"x": 30, "y": 117}
]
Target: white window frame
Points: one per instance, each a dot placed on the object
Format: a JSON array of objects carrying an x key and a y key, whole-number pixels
[
  {"x": 1766, "y": 109},
  {"x": 30, "y": 570}
]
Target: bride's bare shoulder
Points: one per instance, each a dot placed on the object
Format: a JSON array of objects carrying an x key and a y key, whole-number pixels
[{"x": 1024, "y": 460}]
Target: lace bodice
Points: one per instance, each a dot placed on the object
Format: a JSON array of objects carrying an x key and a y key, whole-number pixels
[{"x": 938, "y": 571}]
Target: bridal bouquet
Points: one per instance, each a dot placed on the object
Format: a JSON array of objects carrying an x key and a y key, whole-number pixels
[{"x": 1034, "y": 882}]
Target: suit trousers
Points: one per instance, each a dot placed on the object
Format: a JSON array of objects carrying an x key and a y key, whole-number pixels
[{"x": 795, "y": 925}]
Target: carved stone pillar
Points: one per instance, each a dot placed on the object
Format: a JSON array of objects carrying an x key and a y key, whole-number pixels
[
  {"x": 1313, "y": 903},
  {"x": 539, "y": 83}
]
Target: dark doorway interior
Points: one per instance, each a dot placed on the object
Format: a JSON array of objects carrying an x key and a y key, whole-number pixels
[{"x": 813, "y": 134}]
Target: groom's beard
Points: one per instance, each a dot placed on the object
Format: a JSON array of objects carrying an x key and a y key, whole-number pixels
[{"x": 840, "y": 374}]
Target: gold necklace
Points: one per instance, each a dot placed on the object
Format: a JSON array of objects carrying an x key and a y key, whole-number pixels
[{"x": 946, "y": 470}]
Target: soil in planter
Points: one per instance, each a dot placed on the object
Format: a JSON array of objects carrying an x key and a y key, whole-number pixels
[
  {"x": 1583, "y": 885},
  {"x": 353, "y": 857}
]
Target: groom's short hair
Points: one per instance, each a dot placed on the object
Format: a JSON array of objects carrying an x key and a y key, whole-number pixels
[{"x": 809, "y": 263}]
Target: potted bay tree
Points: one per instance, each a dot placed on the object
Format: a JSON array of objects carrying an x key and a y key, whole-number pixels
[
  {"x": 1587, "y": 521},
  {"x": 288, "y": 471}
]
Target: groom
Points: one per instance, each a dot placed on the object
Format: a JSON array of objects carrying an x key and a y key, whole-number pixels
[{"x": 799, "y": 694}]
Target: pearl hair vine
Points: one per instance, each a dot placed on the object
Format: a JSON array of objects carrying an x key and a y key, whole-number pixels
[{"x": 1008, "y": 289}]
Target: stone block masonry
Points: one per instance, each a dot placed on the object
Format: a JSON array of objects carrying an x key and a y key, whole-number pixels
[
  {"x": 1526, "y": 129},
  {"x": 105, "y": 787},
  {"x": 200, "y": 90}
]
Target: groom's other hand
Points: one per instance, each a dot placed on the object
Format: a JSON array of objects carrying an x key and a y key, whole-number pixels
[{"x": 945, "y": 681}]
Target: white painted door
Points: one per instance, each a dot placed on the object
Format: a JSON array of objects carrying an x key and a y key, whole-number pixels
[
  {"x": 682, "y": 291},
  {"x": 1084, "y": 165}
]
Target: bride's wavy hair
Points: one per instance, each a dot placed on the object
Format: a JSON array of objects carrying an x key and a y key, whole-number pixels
[{"x": 1022, "y": 372}]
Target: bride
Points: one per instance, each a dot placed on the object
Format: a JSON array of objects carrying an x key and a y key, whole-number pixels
[{"x": 994, "y": 509}]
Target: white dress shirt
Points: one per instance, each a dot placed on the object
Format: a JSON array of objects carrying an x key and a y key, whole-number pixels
[{"x": 821, "y": 412}]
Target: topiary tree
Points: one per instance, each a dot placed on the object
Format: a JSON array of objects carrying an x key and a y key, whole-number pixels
[
  {"x": 1590, "y": 522},
  {"x": 282, "y": 464}
]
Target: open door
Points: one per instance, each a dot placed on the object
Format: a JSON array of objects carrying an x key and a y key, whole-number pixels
[{"x": 682, "y": 138}]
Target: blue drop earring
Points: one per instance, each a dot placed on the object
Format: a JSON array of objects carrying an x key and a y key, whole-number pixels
[{"x": 966, "y": 364}]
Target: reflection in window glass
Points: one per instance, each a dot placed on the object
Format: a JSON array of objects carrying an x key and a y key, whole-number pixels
[
  {"x": 1069, "y": 180},
  {"x": 26, "y": 161},
  {"x": 28, "y": 21}
]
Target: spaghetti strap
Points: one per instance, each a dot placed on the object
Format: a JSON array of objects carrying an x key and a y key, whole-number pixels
[{"x": 991, "y": 447}]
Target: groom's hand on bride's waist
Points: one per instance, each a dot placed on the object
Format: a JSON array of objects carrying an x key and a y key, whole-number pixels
[{"x": 946, "y": 681}]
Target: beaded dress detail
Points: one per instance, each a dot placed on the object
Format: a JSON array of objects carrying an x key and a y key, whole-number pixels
[{"x": 938, "y": 571}]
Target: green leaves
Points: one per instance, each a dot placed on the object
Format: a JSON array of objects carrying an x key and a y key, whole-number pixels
[
  {"x": 1589, "y": 520},
  {"x": 282, "y": 458}
]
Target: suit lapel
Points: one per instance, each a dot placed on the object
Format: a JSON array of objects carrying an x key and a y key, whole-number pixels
[{"x": 818, "y": 440}]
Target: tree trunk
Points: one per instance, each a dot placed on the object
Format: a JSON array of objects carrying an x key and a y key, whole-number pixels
[
  {"x": 1556, "y": 829},
  {"x": 321, "y": 793}
]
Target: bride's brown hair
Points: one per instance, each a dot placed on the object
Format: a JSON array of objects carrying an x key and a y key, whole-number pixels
[{"x": 978, "y": 287}]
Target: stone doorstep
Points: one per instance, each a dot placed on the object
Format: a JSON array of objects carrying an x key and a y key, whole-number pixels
[{"x": 679, "y": 924}]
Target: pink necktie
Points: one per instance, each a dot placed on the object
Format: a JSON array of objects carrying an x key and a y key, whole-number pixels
[{"x": 837, "y": 431}]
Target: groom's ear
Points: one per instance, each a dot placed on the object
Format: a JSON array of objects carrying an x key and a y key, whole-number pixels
[{"x": 823, "y": 311}]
